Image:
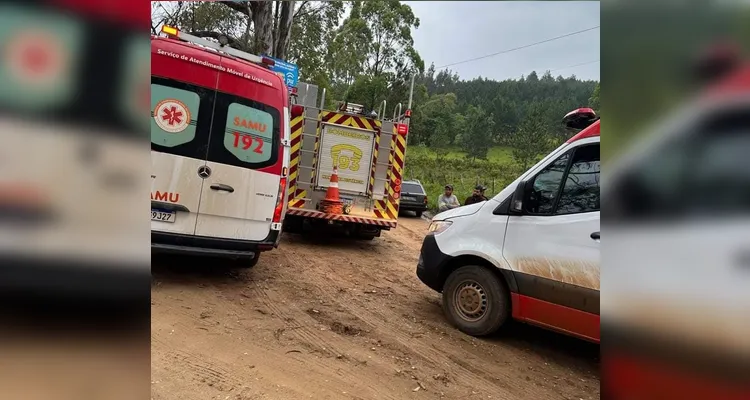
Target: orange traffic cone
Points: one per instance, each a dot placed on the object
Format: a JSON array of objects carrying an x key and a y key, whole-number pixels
[{"x": 332, "y": 204}]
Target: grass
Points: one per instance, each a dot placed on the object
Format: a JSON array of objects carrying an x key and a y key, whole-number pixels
[
  {"x": 453, "y": 167},
  {"x": 496, "y": 154}
]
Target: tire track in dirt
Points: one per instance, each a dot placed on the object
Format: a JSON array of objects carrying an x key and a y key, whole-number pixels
[
  {"x": 396, "y": 340},
  {"x": 379, "y": 321},
  {"x": 301, "y": 329},
  {"x": 391, "y": 330},
  {"x": 180, "y": 361},
  {"x": 206, "y": 371},
  {"x": 390, "y": 336}
]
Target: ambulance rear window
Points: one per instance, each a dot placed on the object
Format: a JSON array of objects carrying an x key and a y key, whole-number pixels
[
  {"x": 249, "y": 133},
  {"x": 246, "y": 133},
  {"x": 180, "y": 117},
  {"x": 174, "y": 115}
]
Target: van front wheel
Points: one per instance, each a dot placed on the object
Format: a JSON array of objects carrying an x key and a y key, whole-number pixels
[{"x": 475, "y": 301}]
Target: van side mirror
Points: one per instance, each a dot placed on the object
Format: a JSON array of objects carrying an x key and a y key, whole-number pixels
[{"x": 516, "y": 202}]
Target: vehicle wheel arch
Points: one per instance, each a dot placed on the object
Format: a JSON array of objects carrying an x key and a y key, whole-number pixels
[{"x": 504, "y": 275}]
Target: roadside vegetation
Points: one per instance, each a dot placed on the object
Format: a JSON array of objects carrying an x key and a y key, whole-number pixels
[{"x": 462, "y": 131}]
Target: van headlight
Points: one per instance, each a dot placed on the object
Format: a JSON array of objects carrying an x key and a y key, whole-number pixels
[{"x": 438, "y": 227}]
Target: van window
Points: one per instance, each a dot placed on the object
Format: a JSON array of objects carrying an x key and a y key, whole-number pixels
[
  {"x": 247, "y": 133},
  {"x": 174, "y": 115},
  {"x": 180, "y": 117},
  {"x": 581, "y": 191},
  {"x": 546, "y": 187},
  {"x": 703, "y": 172}
]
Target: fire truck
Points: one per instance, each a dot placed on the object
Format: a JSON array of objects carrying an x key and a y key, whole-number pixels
[{"x": 366, "y": 149}]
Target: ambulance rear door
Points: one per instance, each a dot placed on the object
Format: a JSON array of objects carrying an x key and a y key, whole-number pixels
[{"x": 182, "y": 99}]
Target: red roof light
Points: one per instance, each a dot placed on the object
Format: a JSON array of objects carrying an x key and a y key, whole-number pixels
[
  {"x": 590, "y": 131},
  {"x": 267, "y": 61}
]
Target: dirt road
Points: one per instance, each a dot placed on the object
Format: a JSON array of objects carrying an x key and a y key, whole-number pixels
[{"x": 332, "y": 320}]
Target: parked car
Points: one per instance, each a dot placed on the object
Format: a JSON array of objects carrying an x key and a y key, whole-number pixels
[
  {"x": 413, "y": 197},
  {"x": 530, "y": 253}
]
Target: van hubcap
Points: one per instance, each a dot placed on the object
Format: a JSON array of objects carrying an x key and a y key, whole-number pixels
[{"x": 471, "y": 301}]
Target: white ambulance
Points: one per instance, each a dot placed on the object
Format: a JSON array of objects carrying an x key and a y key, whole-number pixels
[
  {"x": 219, "y": 149},
  {"x": 530, "y": 253}
]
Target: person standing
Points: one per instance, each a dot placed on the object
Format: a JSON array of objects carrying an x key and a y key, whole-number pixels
[{"x": 447, "y": 200}]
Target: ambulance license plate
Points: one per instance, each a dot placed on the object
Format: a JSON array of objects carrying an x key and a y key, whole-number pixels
[{"x": 163, "y": 216}]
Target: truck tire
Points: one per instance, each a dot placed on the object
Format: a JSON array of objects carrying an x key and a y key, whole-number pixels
[
  {"x": 362, "y": 236},
  {"x": 419, "y": 214},
  {"x": 293, "y": 224},
  {"x": 475, "y": 301},
  {"x": 247, "y": 263}
]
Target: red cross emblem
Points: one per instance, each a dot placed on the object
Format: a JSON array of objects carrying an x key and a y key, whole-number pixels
[{"x": 172, "y": 115}]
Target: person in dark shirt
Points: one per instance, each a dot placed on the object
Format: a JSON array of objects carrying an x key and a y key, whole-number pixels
[{"x": 476, "y": 196}]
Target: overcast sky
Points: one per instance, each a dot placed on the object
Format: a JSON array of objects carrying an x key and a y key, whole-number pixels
[{"x": 454, "y": 31}]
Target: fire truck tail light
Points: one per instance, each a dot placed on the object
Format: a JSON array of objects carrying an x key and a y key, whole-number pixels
[
  {"x": 297, "y": 110},
  {"x": 402, "y": 129}
]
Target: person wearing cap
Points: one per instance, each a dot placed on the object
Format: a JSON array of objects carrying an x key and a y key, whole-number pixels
[
  {"x": 448, "y": 201},
  {"x": 476, "y": 196}
]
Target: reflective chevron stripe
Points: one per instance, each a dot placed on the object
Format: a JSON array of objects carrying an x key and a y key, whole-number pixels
[
  {"x": 341, "y": 217},
  {"x": 388, "y": 207},
  {"x": 296, "y": 196}
]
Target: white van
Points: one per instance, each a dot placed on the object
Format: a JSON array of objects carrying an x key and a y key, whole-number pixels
[{"x": 530, "y": 253}]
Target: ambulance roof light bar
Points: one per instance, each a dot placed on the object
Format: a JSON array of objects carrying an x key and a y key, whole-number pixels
[{"x": 222, "y": 47}]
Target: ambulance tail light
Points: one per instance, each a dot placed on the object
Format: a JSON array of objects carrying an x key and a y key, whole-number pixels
[{"x": 279, "y": 210}]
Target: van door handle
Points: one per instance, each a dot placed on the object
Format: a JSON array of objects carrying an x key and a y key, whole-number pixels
[
  {"x": 595, "y": 235},
  {"x": 221, "y": 186}
]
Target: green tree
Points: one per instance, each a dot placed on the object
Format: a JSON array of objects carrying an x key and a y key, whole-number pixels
[
  {"x": 392, "y": 47},
  {"x": 311, "y": 34},
  {"x": 375, "y": 40},
  {"x": 532, "y": 138},
  {"x": 477, "y": 132},
  {"x": 594, "y": 99},
  {"x": 437, "y": 122}
]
